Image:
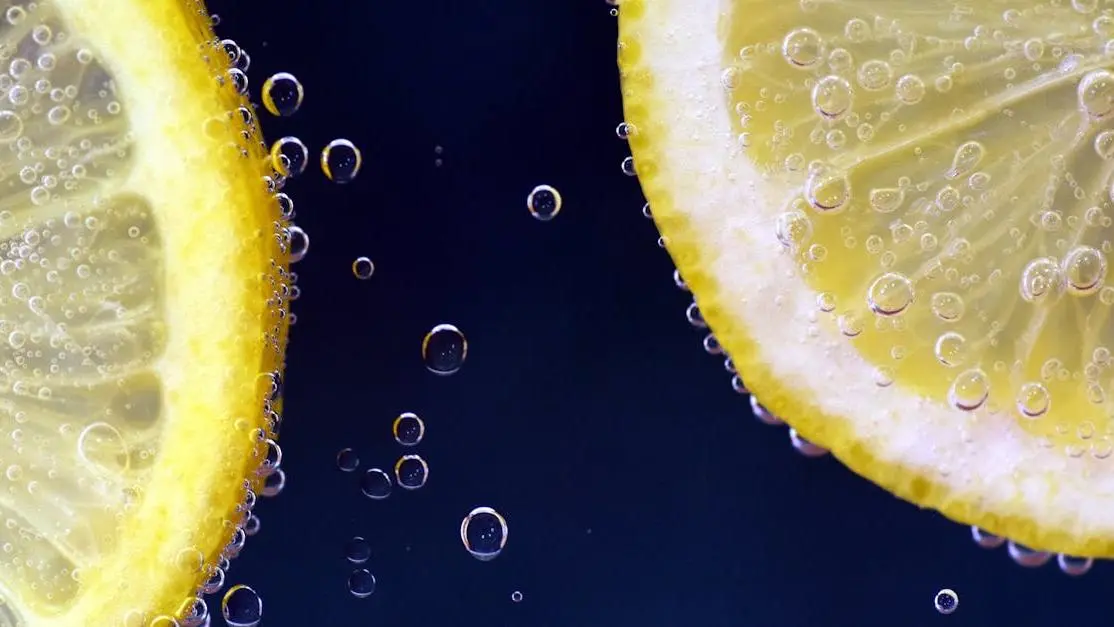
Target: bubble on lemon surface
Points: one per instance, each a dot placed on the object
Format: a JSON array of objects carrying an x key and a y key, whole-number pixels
[
  {"x": 444, "y": 349},
  {"x": 1041, "y": 280},
  {"x": 946, "y": 601},
  {"x": 411, "y": 472},
  {"x": 969, "y": 390},
  {"x": 375, "y": 484},
  {"x": 985, "y": 539},
  {"x": 408, "y": 429},
  {"x": 1096, "y": 93},
  {"x": 289, "y": 156},
  {"x": 361, "y": 583},
  {"x": 348, "y": 460},
  {"x": 951, "y": 349},
  {"x": 484, "y": 533},
  {"x": 357, "y": 550},
  {"x": 282, "y": 94},
  {"x": 890, "y": 294},
  {"x": 299, "y": 243},
  {"x": 1033, "y": 399},
  {"x": 363, "y": 268},
  {"x": 1074, "y": 566},
  {"x": 241, "y": 606},
  {"x": 803, "y": 48},
  {"x": 341, "y": 161},
  {"x": 1084, "y": 269},
  {"x": 544, "y": 202},
  {"x": 832, "y": 97}
]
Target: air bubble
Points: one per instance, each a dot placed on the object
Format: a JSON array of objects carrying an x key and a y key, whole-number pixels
[
  {"x": 890, "y": 294},
  {"x": 832, "y": 96},
  {"x": 875, "y": 75},
  {"x": 967, "y": 157},
  {"x": 1096, "y": 93},
  {"x": 1084, "y": 269},
  {"x": 1074, "y": 566},
  {"x": 411, "y": 472},
  {"x": 1041, "y": 279},
  {"x": 375, "y": 484},
  {"x": 289, "y": 156},
  {"x": 341, "y": 161},
  {"x": 827, "y": 191},
  {"x": 969, "y": 390},
  {"x": 357, "y": 550},
  {"x": 793, "y": 229},
  {"x": 946, "y": 601},
  {"x": 951, "y": 349},
  {"x": 947, "y": 306},
  {"x": 444, "y": 349},
  {"x": 241, "y": 607},
  {"x": 886, "y": 200},
  {"x": 348, "y": 460},
  {"x": 361, "y": 583},
  {"x": 282, "y": 94},
  {"x": 1033, "y": 400},
  {"x": 408, "y": 429},
  {"x": 544, "y": 202},
  {"x": 363, "y": 268},
  {"x": 803, "y": 48},
  {"x": 484, "y": 533}
]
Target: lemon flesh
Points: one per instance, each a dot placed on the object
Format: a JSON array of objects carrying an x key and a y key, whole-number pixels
[
  {"x": 142, "y": 276},
  {"x": 896, "y": 218}
]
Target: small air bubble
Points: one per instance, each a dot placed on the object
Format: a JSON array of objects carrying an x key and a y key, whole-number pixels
[
  {"x": 282, "y": 94},
  {"x": 363, "y": 268},
  {"x": 341, "y": 161},
  {"x": 544, "y": 202}
]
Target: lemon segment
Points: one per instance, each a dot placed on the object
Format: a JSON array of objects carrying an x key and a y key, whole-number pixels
[
  {"x": 142, "y": 295},
  {"x": 895, "y": 218}
]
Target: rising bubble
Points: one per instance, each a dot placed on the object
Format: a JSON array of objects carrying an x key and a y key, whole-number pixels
[
  {"x": 348, "y": 460},
  {"x": 282, "y": 94},
  {"x": 408, "y": 429},
  {"x": 357, "y": 550},
  {"x": 544, "y": 202},
  {"x": 444, "y": 349},
  {"x": 363, "y": 268},
  {"x": 946, "y": 601},
  {"x": 241, "y": 607},
  {"x": 289, "y": 156},
  {"x": 484, "y": 533},
  {"x": 341, "y": 161},
  {"x": 411, "y": 472},
  {"x": 361, "y": 583},
  {"x": 375, "y": 484}
]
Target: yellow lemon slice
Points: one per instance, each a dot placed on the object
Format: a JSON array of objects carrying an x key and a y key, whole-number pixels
[
  {"x": 142, "y": 287},
  {"x": 896, "y": 218}
]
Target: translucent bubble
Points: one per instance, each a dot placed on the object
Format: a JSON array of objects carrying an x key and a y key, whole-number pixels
[
  {"x": 804, "y": 447},
  {"x": 361, "y": 583},
  {"x": 1024, "y": 556},
  {"x": 348, "y": 460},
  {"x": 969, "y": 390},
  {"x": 375, "y": 484},
  {"x": 241, "y": 607},
  {"x": 875, "y": 75},
  {"x": 1074, "y": 566},
  {"x": 1104, "y": 143},
  {"x": 484, "y": 533},
  {"x": 886, "y": 200},
  {"x": 289, "y": 156},
  {"x": 444, "y": 349},
  {"x": 627, "y": 166},
  {"x": 252, "y": 525},
  {"x": 624, "y": 130},
  {"x": 793, "y": 228},
  {"x": 357, "y": 550},
  {"x": 762, "y": 414},
  {"x": 827, "y": 191},
  {"x": 408, "y": 429},
  {"x": 831, "y": 96},
  {"x": 282, "y": 94},
  {"x": 1096, "y": 93},
  {"x": 274, "y": 483},
  {"x": 802, "y": 47},
  {"x": 1085, "y": 270},
  {"x": 947, "y": 306},
  {"x": 951, "y": 349},
  {"x": 299, "y": 243},
  {"x": 946, "y": 601},
  {"x": 411, "y": 472},
  {"x": 215, "y": 581},
  {"x": 1041, "y": 279},
  {"x": 341, "y": 161},
  {"x": 516, "y": 597},
  {"x": 967, "y": 157},
  {"x": 890, "y": 294},
  {"x": 544, "y": 202},
  {"x": 985, "y": 539},
  {"x": 1033, "y": 400},
  {"x": 363, "y": 268}
]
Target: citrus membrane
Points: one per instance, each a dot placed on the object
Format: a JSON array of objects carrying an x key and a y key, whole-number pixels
[
  {"x": 896, "y": 218},
  {"x": 142, "y": 287}
]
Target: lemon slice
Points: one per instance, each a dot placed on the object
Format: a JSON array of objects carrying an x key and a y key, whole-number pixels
[
  {"x": 142, "y": 285},
  {"x": 895, "y": 216}
]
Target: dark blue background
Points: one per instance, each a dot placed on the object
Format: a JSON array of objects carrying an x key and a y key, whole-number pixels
[{"x": 637, "y": 486}]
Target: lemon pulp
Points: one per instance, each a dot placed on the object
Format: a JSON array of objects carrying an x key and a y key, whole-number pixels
[
  {"x": 142, "y": 293},
  {"x": 896, "y": 218}
]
